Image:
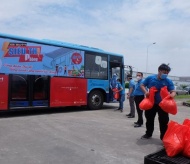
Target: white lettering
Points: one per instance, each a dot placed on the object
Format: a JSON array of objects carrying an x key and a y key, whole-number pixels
[
  {"x": 27, "y": 56},
  {"x": 33, "y": 59}
]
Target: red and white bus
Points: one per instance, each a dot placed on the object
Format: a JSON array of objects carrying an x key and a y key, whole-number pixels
[{"x": 44, "y": 74}]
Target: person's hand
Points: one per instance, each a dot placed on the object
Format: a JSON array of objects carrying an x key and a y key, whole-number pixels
[
  {"x": 147, "y": 94},
  {"x": 172, "y": 95},
  {"x": 128, "y": 95}
]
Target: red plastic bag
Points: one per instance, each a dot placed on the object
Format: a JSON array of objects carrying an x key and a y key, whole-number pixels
[
  {"x": 169, "y": 105},
  {"x": 164, "y": 92},
  {"x": 186, "y": 149},
  {"x": 173, "y": 139},
  {"x": 115, "y": 93},
  {"x": 186, "y": 122},
  {"x": 148, "y": 102}
]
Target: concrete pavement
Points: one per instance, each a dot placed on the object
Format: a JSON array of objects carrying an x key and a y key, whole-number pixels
[{"x": 77, "y": 136}]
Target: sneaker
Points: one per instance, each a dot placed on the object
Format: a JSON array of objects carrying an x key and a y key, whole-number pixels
[{"x": 146, "y": 137}]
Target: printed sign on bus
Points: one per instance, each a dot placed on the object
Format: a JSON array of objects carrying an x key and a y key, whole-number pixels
[{"x": 18, "y": 57}]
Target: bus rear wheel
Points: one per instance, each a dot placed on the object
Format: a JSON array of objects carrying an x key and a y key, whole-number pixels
[{"x": 95, "y": 100}]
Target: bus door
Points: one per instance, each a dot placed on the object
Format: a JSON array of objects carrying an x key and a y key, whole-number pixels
[
  {"x": 115, "y": 69},
  {"x": 28, "y": 91}
]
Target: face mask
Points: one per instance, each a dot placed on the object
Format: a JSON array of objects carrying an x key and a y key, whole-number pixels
[
  {"x": 138, "y": 78},
  {"x": 163, "y": 76}
]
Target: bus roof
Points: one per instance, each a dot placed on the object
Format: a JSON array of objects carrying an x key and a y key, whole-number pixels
[{"x": 57, "y": 43}]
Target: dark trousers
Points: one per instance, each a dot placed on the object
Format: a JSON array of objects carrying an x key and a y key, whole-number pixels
[
  {"x": 132, "y": 105},
  {"x": 138, "y": 99},
  {"x": 163, "y": 119}
]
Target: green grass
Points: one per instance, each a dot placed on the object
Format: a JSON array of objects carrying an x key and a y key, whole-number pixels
[{"x": 177, "y": 97}]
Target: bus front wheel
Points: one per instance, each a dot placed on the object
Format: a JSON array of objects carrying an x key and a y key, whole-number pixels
[{"x": 95, "y": 100}]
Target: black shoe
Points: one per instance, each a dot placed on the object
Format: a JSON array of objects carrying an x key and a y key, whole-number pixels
[
  {"x": 131, "y": 116},
  {"x": 121, "y": 110},
  {"x": 145, "y": 137},
  {"x": 128, "y": 114},
  {"x": 118, "y": 109},
  {"x": 137, "y": 126},
  {"x": 136, "y": 123}
]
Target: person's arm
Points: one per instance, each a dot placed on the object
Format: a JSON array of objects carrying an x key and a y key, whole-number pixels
[
  {"x": 120, "y": 88},
  {"x": 143, "y": 88},
  {"x": 172, "y": 89},
  {"x": 130, "y": 91},
  {"x": 172, "y": 93}
]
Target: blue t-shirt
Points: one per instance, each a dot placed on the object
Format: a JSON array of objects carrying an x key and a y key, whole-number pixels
[
  {"x": 119, "y": 86},
  {"x": 138, "y": 91},
  {"x": 132, "y": 85},
  {"x": 153, "y": 80}
]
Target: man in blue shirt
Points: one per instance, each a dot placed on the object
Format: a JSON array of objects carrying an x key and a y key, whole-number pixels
[
  {"x": 130, "y": 96},
  {"x": 121, "y": 95},
  {"x": 160, "y": 80},
  {"x": 139, "y": 96},
  {"x": 113, "y": 85}
]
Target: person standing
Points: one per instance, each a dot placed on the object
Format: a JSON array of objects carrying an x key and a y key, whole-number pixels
[
  {"x": 139, "y": 96},
  {"x": 113, "y": 85},
  {"x": 130, "y": 96},
  {"x": 160, "y": 80},
  {"x": 121, "y": 94}
]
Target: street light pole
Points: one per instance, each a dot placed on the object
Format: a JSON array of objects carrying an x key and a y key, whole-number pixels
[{"x": 147, "y": 57}]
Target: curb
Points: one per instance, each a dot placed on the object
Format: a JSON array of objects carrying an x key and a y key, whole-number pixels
[{"x": 186, "y": 104}]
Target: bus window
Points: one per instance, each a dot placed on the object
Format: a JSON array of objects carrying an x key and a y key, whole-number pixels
[{"x": 96, "y": 66}]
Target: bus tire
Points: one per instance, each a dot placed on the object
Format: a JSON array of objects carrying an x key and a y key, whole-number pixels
[{"x": 95, "y": 100}]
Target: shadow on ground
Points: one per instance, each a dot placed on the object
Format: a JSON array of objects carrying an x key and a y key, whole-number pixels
[{"x": 45, "y": 111}]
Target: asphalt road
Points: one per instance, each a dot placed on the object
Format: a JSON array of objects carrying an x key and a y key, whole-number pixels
[{"x": 77, "y": 136}]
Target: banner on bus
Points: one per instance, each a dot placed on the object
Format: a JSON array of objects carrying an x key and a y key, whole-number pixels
[{"x": 17, "y": 57}]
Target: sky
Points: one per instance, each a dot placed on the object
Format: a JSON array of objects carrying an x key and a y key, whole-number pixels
[{"x": 127, "y": 27}]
